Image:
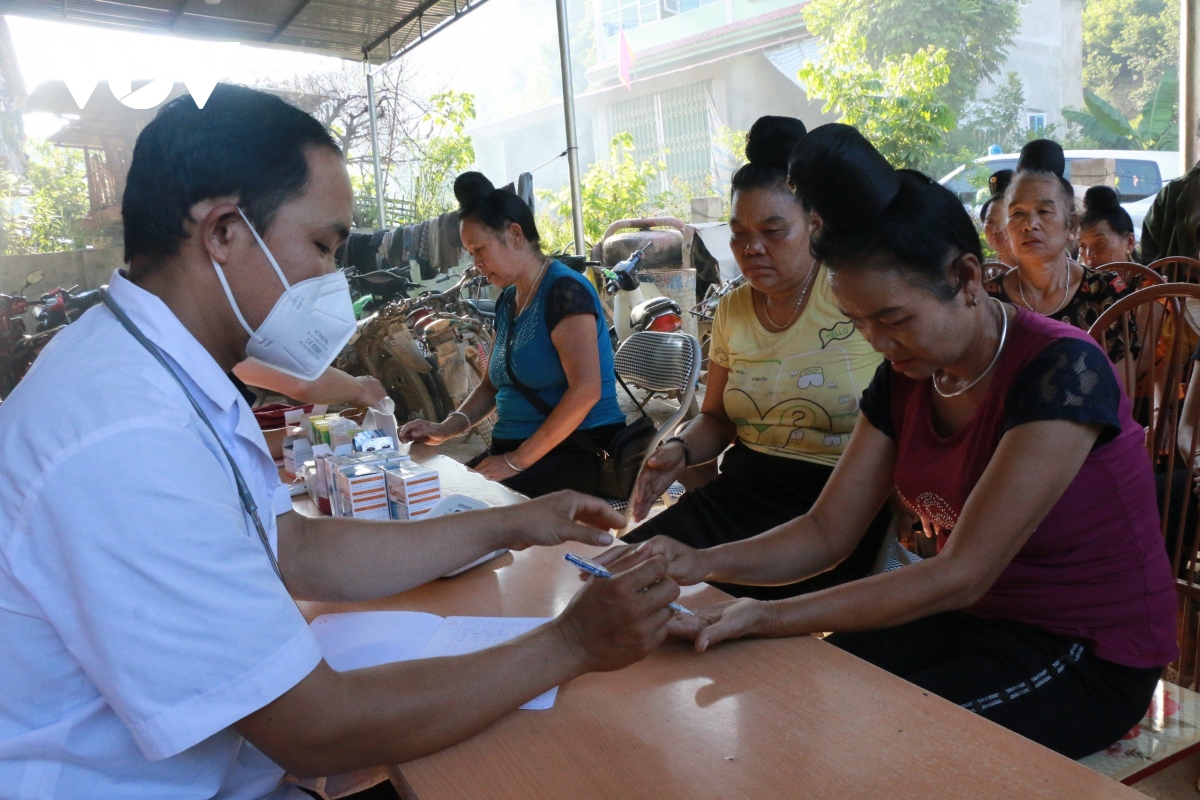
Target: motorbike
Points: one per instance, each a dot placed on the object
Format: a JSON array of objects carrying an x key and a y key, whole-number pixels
[
  {"x": 631, "y": 310},
  {"x": 374, "y": 290},
  {"x": 18, "y": 348},
  {"x": 429, "y": 351},
  {"x": 60, "y": 307}
]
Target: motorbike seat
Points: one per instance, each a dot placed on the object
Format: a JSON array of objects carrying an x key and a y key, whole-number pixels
[
  {"x": 483, "y": 306},
  {"x": 84, "y": 299},
  {"x": 380, "y": 282},
  {"x": 645, "y": 312}
]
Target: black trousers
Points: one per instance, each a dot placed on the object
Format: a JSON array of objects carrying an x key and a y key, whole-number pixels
[
  {"x": 1045, "y": 687},
  {"x": 565, "y": 467},
  {"x": 754, "y": 493}
]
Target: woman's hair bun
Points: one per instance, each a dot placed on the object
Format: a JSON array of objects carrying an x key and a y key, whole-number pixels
[
  {"x": 999, "y": 181},
  {"x": 1099, "y": 199},
  {"x": 472, "y": 187},
  {"x": 771, "y": 141},
  {"x": 841, "y": 175},
  {"x": 1042, "y": 155}
]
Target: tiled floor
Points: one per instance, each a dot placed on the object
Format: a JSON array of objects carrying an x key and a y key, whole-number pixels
[{"x": 1176, "y": 782}]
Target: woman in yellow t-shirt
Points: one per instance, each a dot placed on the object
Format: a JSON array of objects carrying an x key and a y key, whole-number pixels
[{"x": 786, "y": 372}]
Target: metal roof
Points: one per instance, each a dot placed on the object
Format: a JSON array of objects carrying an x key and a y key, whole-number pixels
[{"x": 352, "y": 29}]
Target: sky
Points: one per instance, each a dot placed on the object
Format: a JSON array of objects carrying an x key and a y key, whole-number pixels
[{"x": 487, "y": 52}]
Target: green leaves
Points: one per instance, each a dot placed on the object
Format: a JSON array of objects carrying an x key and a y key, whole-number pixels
[
  {"x": 896, "y": 105},
  {"x": 1158, "y": 114},
  {"x": 1154, "y": 129}
]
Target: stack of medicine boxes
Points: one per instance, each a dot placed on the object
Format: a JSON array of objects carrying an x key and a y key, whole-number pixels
[{"x": 412, "y": 490}]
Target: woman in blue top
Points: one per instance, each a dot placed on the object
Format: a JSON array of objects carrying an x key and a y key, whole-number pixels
[{"x": 560, "y": 351}]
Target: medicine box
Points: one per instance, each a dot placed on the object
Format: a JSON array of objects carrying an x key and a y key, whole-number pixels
[
  {"x": 362, "y": 492},
  {"x": 412, "y": 490}
]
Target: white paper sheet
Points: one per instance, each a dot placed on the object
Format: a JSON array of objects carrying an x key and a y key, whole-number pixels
[{"x": 361, "y": 639}]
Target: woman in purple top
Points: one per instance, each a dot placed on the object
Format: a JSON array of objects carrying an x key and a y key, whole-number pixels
[{"x": 1050, "y": 606}]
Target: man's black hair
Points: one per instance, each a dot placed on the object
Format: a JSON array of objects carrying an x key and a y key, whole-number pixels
[{"x": 244, "y": 143}]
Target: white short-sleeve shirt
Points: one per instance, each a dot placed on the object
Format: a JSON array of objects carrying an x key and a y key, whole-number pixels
[{"x": 140, "y": 616}]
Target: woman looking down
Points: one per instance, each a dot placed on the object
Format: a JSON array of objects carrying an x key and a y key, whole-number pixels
[
  {"x": 550, "y": 337},
  {"x": 1106, "y": 230},
  {"x": 1050, "y": 606},
  {"x": 785, "y": 376}
]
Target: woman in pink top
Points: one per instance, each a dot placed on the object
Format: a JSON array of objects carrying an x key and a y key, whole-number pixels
[{"x": 1050, "y": 607}]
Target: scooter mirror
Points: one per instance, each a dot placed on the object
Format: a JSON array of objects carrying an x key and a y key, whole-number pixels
[{"x": 34, "y": 277}]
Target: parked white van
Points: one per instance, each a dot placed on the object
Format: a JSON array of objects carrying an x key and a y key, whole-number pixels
[{"x": 1140, "y": 174}]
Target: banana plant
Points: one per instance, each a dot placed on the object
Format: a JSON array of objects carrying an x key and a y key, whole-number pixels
[{"x": 1154, "y": 129}]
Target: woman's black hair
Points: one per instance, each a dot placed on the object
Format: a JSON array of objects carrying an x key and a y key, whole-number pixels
[
  {"x": 244, "y": 143},
  {"x": 1046, "y": 157},
  {"x": 867, "y": 209},
  {"x": 997, "y": 185},
  {"x": 494, "y": 208},
  {"x": 1101, "y": 204},
  {"x": 769, "y": 145}
]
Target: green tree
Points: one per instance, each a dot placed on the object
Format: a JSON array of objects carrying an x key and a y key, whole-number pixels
[
  {"x": 1128, "y": 46},
  {"x": 44, "y": 210},
  {"x": 444, "y": 151},
  {"x": 1154, "y": 128},
  {"x": 895, "y": 103},
  {"x": 974, "y": 34},
  {"x": 612, "y": 189}
]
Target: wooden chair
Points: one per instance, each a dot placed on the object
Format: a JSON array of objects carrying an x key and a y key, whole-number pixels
[
  {"x": 1177, "y": 269},
  {"x": 994, "y": 269},
  {"x": 1170, "y": 730},
  {"x": 1134, "y": 275}
]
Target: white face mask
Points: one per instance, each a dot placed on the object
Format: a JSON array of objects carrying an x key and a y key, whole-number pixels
[{"x": 308, "y": 326}]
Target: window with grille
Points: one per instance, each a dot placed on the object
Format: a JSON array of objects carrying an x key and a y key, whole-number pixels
[
  {"x": 675, "y": 121},
  {"x": 630, "y": 14}
]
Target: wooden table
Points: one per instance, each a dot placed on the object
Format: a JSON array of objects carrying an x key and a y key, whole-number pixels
[{"x": 749, "y": 719}]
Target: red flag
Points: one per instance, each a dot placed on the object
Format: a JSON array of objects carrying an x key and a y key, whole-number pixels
[{"x": 625, "y": 59}]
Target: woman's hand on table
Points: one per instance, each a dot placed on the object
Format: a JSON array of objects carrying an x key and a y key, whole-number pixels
[
  {"x": 611, "y": 623},
  {"x": 426, "y": 432},
  {"x": 686, "y": 565},
  {"x": 561, "y": 517},
  {"x": 662, "y": 469},
  {"x": 495, "y": 468},
  {"x": 733, "y": 619}
]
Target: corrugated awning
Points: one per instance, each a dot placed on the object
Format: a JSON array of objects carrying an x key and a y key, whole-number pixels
[{"x": 352, "y": 29}]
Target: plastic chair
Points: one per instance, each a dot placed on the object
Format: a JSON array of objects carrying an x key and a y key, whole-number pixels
[
  {"x": 661, "y": 362},
  {"x": 1171, "y": 728}
]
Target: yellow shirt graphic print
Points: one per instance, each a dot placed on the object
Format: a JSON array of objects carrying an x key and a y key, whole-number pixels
[{"x": 793, "y": 394}]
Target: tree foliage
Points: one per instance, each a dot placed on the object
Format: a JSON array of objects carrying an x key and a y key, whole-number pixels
[
  {"x": 1128, "y": 46},
  {"x": 895, "y": 104},
  {"x": 1154, "y": 128},
  {"x": 43, "y": 211},
  {"x": 975, "y": 35},
  {"x": 423, "y": 142},
  {"x": 612, "y": 189}
]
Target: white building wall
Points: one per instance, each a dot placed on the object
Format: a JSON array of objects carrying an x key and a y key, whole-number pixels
[{"x": 1047, "y": 55}]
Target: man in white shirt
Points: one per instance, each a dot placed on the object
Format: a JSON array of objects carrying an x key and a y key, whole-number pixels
[{"x": 147, "y": 647}]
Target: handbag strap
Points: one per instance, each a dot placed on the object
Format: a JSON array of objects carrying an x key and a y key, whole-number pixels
[{"x": 531, "y": 397}]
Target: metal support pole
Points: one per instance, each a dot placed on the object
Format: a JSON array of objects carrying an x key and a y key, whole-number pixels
[
  {"x": 1189, "y": 84},
  {"x": 375, "y": 143},
  {"x": 564, "y": 58}
]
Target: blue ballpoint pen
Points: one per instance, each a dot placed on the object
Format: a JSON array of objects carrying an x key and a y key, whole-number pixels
[{"x": 593, "y": 568}]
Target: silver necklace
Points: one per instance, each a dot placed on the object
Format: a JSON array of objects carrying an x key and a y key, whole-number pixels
[
  {"x": 532, "y": 289},
  {"x": 1066, "y": 287},
  {"x": 992, "y": 363},
  {"x": 808, "y": 282}
]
